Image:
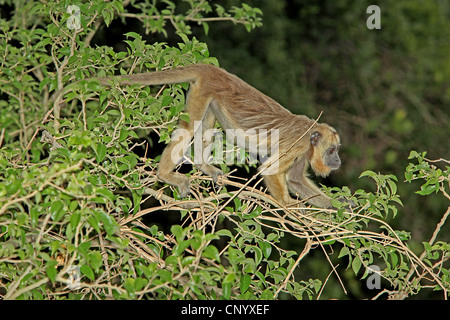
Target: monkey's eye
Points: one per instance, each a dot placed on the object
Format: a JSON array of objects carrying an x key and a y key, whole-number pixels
[{"x": 333, "y": 150}]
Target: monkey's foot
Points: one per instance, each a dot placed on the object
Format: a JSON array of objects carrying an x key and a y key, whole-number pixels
[
  {"x": 184, "y": 189},
  {"x": 178, "y": 180},
  {"x": 211, "y": 171}
]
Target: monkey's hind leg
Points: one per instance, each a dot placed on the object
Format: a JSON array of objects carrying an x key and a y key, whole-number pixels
[
  {"x": 170, "y": 157},
  {"x": 196, "y": 107}
]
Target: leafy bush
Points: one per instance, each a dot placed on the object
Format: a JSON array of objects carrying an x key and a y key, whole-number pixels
[{"x": 74, "y": 193}]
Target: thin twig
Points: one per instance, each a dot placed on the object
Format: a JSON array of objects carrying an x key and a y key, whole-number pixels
[{"x": 305, "y": 251}]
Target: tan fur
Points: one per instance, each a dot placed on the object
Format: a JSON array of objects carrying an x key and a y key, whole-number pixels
[{"x": 216, "y": 94}]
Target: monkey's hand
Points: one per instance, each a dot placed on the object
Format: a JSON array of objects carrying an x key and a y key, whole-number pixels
[{"x": 350, "y": 203}]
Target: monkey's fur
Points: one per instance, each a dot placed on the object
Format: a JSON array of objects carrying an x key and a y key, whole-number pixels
[{"x": 216, "y": 94}]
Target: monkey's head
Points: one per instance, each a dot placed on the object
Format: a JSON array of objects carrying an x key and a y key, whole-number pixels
[{"x": 325, "y": 143}]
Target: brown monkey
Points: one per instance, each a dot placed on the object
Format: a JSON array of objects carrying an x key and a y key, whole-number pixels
[{"x": 216, "y": 94}]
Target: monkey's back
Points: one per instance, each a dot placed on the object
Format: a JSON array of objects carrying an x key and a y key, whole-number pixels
[{"x": 248, "y": 107}]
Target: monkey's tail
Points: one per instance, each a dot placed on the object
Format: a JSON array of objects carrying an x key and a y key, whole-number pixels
[{"x": 177, "y": 75}]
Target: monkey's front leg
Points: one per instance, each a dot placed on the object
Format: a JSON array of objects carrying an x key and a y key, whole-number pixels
[
  {"x": 278, "y": 188},
  {"x": 308, "y": 191},
  {"x": 299, "y": 184}
]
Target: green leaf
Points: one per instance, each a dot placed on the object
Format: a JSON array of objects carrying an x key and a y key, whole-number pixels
[
  {"x": 108, "y": 222},
  {"x": 224, "y": 232},
  {"x": 211, "y": 252},
  {"x": 428, "y": 189},
  {"x": 413, "y": 154},
  {"x": 164, "y": 275},
  {"x": 100, "y": 152},
  {"x": 205, "y": 28},
  {"x": 372, "y": 198},
  {"x": 356, "y": 265},
  {"x": 133, "y": 35},
  {"x": 266, "y": 248},
  {"x": 183, "y": 37},
  {"x": 136, "y": 200},
  {"x": 181, "y": 247},
  {"x": 330, "y": 241},
  {"x": 123, "y": 134},
  {"x": 394, "y": 259},
  {"x": 129, "y": 285},
  {"x": 403, "y": 235},
  {"x": 184, "y": 117},
  {"x": 344, "y": 251},
  {"x": 140, "y": 283},
  {"x": 84, "y": 247},
  {"x": 187, "y": 260},
  {"x": 258, "y": 254},
  {"x": 73, "y": 206},
  {"x": 87, "y": 271},
  {"x": 427, "y": 246},
  {"x": 231, "y": 277},
  {"x": 43, "y": 83},
  {"x": 237, "y": 204},
  {"x": 336, "y": 203},
  {"x": 226, "y": 290},
  {"x": 167, "y": 100},
  {"x": 106, "y": 193},
  {"x": 34, "y": 213},
  {"x": 56, "y": 210},
  {"x": 177, "y": 231},
  {"x": 50, "y": 270},
  {"x": 393, "y": 187},
  {"x": 317, "y": 285},
  {"x": 368, "y": 173},
  {"x": 95, "y": 259},
  {"x": 245, "y": 282},
  {"x": 75, "y": 219},
  {"x": 94, "y": 223},
  {"x": 267, "y": 294}
]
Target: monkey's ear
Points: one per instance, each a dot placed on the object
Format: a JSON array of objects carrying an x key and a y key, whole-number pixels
[{"x": 315, "y": 137}]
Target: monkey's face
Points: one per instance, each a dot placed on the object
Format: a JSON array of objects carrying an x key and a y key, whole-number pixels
[
  {"x": 325, "y": 143},
  {"x": 331, "y": 157}
]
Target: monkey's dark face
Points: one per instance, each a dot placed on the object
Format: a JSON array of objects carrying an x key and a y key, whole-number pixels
[{"x": 331, "y": 157}]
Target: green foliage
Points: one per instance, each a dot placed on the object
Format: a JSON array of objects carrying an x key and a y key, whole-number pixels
[
  {"x": 388, "y": 248},
  {"x": 435, "y": 178},
  {"x": 74, "y": 192}
]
